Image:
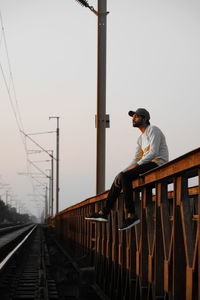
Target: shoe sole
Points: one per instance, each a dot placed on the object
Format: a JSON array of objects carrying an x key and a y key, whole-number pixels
[
  {"x": 96, "y": 219},
  {"x": 133, "y": 224}
]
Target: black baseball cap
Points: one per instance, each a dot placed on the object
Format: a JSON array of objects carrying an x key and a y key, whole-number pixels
[{"x": 140, "y": 112}]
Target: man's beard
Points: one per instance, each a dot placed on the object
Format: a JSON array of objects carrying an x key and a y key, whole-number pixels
[{"x": 138, "y": 124}]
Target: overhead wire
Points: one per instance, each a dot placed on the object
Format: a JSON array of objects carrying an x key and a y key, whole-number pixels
[
  {"x": 15, "y": 107},
  {"x": 1, "y": 38},
  {"x": 13, "y": 102},
  {"x": 9, "y": 84}
]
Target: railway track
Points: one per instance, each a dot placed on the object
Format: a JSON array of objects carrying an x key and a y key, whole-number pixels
[
  {"x": 23, "y": 271},
  {"x": 6, "y": 229},
  {"x": 39, "y": 268}
]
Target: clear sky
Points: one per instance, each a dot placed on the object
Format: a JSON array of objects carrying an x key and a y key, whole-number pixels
[{"x": 153, "y": 61}]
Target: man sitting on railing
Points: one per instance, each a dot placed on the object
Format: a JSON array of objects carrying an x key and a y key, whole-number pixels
[{"x": 151, "y": 151}]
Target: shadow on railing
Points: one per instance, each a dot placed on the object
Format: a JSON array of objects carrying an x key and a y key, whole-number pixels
[{"x": 158, "y": 258}]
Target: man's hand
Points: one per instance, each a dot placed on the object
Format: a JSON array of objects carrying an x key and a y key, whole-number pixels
[{"x": 133, "y": 166}]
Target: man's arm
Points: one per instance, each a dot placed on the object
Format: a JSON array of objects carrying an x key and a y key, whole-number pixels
[
  {"x": 132, "y": 166},
  {"x": 137, "y": 156}
]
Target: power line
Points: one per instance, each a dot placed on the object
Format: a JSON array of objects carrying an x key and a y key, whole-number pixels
[
  {"x": 9, "y": 84},
  {"x": 16, "y": 110},
  {"x": 1, "y": 38}
]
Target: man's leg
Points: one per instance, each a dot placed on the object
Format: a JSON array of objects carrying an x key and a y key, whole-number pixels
[
  {"x": 122, "y": 181},
  {"x": 113, "y": 193},
  {"x": 126, "y": 181}
]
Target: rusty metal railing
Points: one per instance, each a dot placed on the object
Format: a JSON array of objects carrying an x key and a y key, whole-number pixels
[{"x": 158, "y": 258}]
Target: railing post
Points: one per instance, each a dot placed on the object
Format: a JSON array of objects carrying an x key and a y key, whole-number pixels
[
  {"x": 199, "y": 235},
  {"x": 159, "y": 251},
  {"x": 144, "y": 247},
  {"x": 179, "y": 260}
]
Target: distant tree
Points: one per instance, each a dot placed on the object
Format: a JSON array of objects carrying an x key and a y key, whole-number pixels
[
  {"x": 2, "y": 210},
  {"x": 8, "y": 214}
]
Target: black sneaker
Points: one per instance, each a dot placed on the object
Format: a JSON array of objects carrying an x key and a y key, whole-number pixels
[
  {"x": 97, "y": 217},
  {"x": 130, "y": 222}
]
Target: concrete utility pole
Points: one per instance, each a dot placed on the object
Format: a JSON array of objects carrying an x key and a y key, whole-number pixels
[
  {"x": 50, "y": 205},
  {"x": 57, "y": 162},
  {"x": 7, "y": 194},
  {"x": 101, "y": 97},
  {"x": 102, "y": 120},
  {"x": 52, "y": 180},
  {"x": 46, "y": 202}
]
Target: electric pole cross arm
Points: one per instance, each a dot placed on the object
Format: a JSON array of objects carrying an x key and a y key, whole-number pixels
[
  {"x": 26, "y": 135},
  {"x": 34, "y": 165},
  {"x": 86, "y": 4}
]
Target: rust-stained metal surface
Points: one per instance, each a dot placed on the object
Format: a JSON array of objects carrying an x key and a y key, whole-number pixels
[{"x": 158, "y": 258}]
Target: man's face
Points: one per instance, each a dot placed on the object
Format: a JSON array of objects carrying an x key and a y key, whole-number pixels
[{"x": 137, "y": 121}]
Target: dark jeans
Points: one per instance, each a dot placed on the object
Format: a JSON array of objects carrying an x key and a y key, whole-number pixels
[{"x": 124, "y": 181}]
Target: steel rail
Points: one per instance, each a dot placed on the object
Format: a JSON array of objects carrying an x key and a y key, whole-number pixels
[{"x": 6, "y": 259}]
